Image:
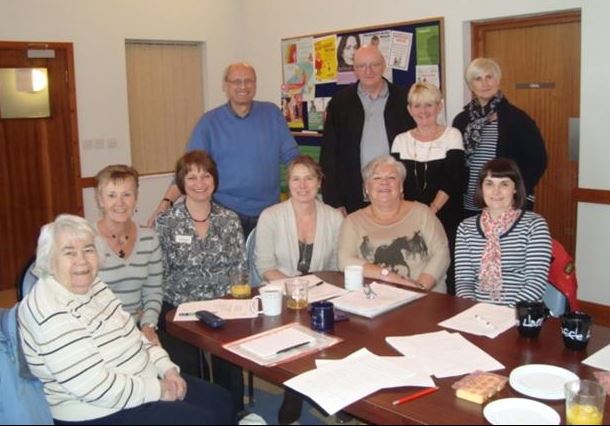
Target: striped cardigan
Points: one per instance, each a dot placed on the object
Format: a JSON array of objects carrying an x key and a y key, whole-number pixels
[
  {"x": 526, "y": 256},
  {"x": 88, "y": 352},
  {"x": 136, "y": 280}
]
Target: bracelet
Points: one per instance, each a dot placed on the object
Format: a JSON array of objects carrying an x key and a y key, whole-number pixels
[{"x": 171, "y": 203}]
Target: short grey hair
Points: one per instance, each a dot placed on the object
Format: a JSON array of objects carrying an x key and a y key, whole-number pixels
[
  {"x": 482, "y": 65},
  {"x": 227, "y": 71},
  {"x": 47, "y": 249},
  {"x": 369, "y": 169}
]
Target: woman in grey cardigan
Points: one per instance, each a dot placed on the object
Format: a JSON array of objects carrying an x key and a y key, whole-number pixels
[{"x": 300, "y": 234}]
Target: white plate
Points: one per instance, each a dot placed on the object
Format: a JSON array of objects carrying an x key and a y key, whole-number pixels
[
  {"x": 520, "y": 411},
  {"x": 541, "y": 380}
]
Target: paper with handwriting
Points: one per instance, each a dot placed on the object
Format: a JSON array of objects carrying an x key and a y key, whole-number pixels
[
  {"x": 444, "y": 354},
  {"x": 339, "y": 383}
]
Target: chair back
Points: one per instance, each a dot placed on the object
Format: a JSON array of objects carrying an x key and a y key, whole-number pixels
[
  {"x": 23, "y": 400},
  {"x": 560, "y": 295},
  {"x": 27, "y": 279},
  {"x": 255, "y": 278}
]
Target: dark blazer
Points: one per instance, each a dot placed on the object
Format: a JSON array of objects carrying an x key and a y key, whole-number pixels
[
  {"x": 340, "y": 153},
  {"x": 518, "y": 139}
]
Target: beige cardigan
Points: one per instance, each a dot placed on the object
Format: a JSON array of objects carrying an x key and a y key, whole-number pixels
[{"x": 277, "y": 245}]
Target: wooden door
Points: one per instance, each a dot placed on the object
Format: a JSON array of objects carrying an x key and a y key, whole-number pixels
[
  {"x": 39, "y": 157},
  {"x": 540, "y": 61}
]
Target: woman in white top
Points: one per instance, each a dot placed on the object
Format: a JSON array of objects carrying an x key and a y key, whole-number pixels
[
  {"x": 300, "y": 234},
  {"x": 433, "y": 156}
]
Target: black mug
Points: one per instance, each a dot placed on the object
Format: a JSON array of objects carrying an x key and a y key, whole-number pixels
[
  {"x": 530, "y": 317},
  {"x": 322, "y": 316},
  {"x": 576, "y": 330}
]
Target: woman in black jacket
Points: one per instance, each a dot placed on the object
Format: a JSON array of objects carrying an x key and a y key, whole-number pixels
[{"x": 494, "y": 128}]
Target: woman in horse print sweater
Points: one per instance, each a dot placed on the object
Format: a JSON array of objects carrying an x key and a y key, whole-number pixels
[{"x": 397, "y": 241}]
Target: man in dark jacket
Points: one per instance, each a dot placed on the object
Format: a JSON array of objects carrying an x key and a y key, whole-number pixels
[{"x": 361, "y": 123}]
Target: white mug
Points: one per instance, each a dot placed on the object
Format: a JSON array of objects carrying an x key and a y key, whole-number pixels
[
  {"x": 353, "y": 276},
  {"x": 271, "y": 298}
]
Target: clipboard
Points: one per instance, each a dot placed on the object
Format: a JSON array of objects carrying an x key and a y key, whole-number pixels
[{"x": 302, "y": 341}]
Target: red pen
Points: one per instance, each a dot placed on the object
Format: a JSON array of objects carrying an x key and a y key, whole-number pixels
[{"x": 414, "y": 395}]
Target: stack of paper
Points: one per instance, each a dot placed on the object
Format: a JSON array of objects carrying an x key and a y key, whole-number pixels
[
  {"x": 444, "y": 354},
  {"x": 270, "y": 345},
  {"x": 386, "y": 298},
  {"x": 335, "y": 384},
  {"x": 483, "y": 319},
  {"x": 224, "y": 308}
]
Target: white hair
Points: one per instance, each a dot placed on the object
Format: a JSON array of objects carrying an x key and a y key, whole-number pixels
[{"x": 47, "y": 249}]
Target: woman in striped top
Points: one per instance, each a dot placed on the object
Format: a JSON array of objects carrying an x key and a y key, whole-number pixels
[
  {"x": 493, "y": 128},
  {"x": 503, "y": 254},
  {"x": 95, "y": 365},
  {"x": 132, "y": 265}
]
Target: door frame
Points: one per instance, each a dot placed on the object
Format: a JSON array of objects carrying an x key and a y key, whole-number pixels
[{"x": 72, "y": 115}]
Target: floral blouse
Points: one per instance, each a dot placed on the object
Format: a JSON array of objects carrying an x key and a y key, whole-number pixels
[{"x": 199, "y": 268}]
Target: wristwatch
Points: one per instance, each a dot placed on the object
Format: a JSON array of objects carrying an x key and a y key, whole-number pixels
[{"x": 384, "y": 273}]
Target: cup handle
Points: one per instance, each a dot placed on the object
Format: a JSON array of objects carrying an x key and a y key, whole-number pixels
[{"x": 254, "y": 306}]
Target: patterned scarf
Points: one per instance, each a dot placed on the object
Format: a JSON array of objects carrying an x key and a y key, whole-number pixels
[
  {"x": 490, "y": 277},
  {"x": 479, "y": 117}
]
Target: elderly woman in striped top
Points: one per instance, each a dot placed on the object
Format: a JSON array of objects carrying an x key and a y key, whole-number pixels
[
  {"x": 94, "y": 363},
  {"x": 502, "y": 255},
  {"x": 132, "y": 265}
]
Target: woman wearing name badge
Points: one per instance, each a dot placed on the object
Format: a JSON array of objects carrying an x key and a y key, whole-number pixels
[
  {"x": 203, "y": 246},
  {"x": 132, "y": 265},
  {"x": 398, "y": 241},
  {"x": 95, "y": 364},
  {"x": 434, "y": 158},
  {"x": 300, "y": 234},
  {"x": 494, "y": 128},
  {"x": 502, "y": 255}
]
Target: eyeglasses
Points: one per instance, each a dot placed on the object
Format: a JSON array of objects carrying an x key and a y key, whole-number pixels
[
  {"x": 238, "y": 82},
  {"x": 374, "y": 66}
]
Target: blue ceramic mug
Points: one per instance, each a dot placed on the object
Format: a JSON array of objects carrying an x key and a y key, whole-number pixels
[{"x": 322, "y": 316}]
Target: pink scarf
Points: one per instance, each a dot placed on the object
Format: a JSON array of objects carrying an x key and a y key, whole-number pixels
[{"x": 490, "y": 277}]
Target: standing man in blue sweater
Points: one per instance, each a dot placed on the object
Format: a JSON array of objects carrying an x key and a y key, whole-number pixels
[{"x": 249, "y": 140}]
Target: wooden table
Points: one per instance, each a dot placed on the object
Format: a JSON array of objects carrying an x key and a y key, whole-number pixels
[{"x": 420, "y": 316}]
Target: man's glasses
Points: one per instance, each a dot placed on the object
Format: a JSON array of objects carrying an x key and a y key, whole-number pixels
[
  {"x": 374, "y": 66},
  {"x": 238, "y": 82}
]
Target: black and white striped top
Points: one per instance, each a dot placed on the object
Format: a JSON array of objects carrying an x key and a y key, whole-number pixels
[
  {"x": 88, "y": 352},
  {"x": 136, "y": 280},
  {"x": 485, "y": 151},
  {"x": 526, "y": 257}
]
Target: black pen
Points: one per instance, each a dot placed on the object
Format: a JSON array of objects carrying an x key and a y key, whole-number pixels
[
  {"x": 289, "y": 348},
  {"x": 317, "y": 284},
  {"x": 186, "y": 314}
]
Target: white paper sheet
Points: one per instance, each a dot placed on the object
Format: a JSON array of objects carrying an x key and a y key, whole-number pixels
[
  {"x": 225, "y": 308},
  {"x": 482, "y": 319},
  {"x": 418, "y": 379},
  {"x": 444, "y": 354},
  {"x": 273, "y": 344},
  {"x": 600, "y": 359},
  {"x": 340, "y": 383}
]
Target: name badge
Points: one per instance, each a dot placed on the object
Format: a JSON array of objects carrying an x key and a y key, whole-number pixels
[{"x": 184, "y": 239}]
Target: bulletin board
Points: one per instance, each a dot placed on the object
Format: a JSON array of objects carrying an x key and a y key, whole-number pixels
[{"x": 316, "y": 66}]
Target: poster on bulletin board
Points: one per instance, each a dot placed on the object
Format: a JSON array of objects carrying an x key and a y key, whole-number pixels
[{"x": 316, "y": 66}]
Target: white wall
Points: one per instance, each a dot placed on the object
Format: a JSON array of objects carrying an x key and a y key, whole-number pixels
[{"x": 252, "y": 29}]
